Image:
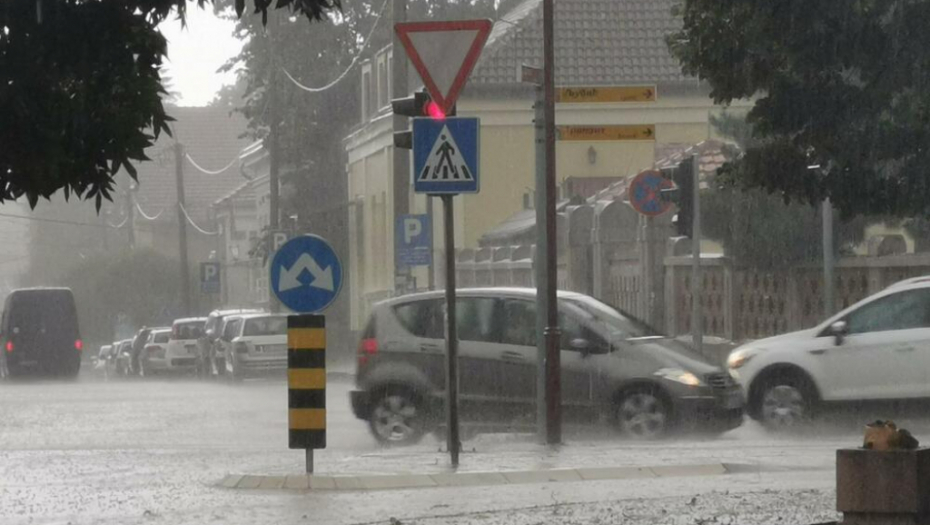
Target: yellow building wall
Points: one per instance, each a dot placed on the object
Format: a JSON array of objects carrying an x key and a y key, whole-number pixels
[{"x": 507, "y": 173}]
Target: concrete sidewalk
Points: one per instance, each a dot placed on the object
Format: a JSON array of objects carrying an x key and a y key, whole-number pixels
[{"x": 473, "y": 479}]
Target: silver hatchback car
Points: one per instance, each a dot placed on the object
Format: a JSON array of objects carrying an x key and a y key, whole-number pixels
[{"x": 613, "y": 367}]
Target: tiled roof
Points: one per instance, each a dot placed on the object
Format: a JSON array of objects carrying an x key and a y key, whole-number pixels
[
  {"x": 211, "y": 137},
  {"x": 597, "y": 42}
]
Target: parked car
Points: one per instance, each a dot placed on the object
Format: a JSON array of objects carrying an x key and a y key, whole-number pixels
[
  {"x": 101, "y": 360},
  {"x": 122, "y": 357},
  {"x": 877, "y": 350},
  {"x": 209, "y": 345},
  {"x": 613, "y": 367},
  {"x": 154, "y": 357},
  {"x": 182, "y": 344},
  {"x": 258, "y": 345}
]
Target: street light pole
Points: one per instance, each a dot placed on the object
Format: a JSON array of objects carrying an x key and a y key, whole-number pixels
[
  {"x": 552, "y": 333},
  {"x": 829, "y": 301}
]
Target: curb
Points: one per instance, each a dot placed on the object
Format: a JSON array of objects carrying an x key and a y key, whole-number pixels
[{"x": 303, "y": 482}]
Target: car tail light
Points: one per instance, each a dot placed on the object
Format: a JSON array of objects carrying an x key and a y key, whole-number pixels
[
  {"x": 366, "y": 348},
  {"x": 9, "y": 346},
  {"x": 78, "y": 344}
]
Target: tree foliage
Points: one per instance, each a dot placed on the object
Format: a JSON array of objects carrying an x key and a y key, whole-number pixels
[
  {"x": 137, "y": 287},
  {"x": 759, "y": 228},
  {"x": 81, "y": 92},
  {"x": 839, "y": 85}
]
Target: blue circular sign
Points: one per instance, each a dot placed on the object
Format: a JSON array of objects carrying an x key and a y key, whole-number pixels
[
  {"x": 306, "y": 274},
  {"x": 646, "y": 193}
]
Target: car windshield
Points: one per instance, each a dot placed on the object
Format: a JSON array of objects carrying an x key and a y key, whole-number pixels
[
  {"x": 620, "y": 325},
  {"x": 259, "y": 326}
]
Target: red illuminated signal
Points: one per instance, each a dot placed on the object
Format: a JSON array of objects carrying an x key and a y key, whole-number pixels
[{"x": 432, "y": 110}]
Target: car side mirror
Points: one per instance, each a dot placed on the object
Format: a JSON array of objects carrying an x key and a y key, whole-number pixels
[
  {"x": 839, "y": 330},
  {"x": 584, "y": 347}
]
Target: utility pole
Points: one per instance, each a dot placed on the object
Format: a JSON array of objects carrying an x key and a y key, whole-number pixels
[
  {"x": 697, "y": 313},
  {"x": 401, "y": 159},
  {"x": 274, "y": 214},
  {"x": 829, "y": 301},
  {"x": 542, "y": 309},
  {"x": 182, "y": 230},
  {"x": 552, "y": 333}
]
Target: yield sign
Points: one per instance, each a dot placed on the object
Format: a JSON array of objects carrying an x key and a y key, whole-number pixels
[{"x": 444, "y": 54}]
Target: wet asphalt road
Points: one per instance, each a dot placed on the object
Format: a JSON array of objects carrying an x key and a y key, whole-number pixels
[{"x": 151, "y": 451}]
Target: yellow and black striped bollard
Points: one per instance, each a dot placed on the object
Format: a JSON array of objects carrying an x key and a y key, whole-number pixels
[{"x": 306, "y": 383}]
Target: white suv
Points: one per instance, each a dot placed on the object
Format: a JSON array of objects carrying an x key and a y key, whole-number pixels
[
  {"x": 257, "y": 344},
  {"x": 876, "y": 350}
]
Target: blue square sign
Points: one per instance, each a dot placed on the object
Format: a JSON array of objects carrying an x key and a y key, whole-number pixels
[
  {"x": 413, "y": 240},
  {"x": 445, "y": 155}
]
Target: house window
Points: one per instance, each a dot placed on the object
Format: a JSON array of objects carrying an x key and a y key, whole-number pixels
[
  {"x": 383, "y": 81},
  {"x": 366, "y": 91},
  {"x": 390, "y": 75}
]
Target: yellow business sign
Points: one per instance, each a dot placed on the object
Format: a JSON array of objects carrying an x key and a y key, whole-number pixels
[
  {"x": 606, "y": 94},
  {"x": 594, "y": 133}
]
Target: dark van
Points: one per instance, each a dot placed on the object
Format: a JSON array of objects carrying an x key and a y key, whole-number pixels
[{"x": 39, "y": 333}]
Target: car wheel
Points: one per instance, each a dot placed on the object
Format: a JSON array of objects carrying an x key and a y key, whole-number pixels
[
  {"x": 5, "y": 373},
  {"x": 642, "y": 413},
  {"x": 784, "y": 403},
  {"x": 397, "y": 417}
]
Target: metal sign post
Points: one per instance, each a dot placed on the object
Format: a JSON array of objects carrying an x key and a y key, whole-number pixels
[
  {"x": 452, "y": 342},
  {"x": 306, "y": 384},
  {"x": 306, "y": 277},
  {"x": 446, "y": 153}
]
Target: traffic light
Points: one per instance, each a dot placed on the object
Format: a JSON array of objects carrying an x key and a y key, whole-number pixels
[
  {"x": 418, "y": 105},
  {"x": 683, "y": 177}
]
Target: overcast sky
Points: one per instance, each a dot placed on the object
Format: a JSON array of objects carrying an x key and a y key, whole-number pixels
[{"x": 195, "y": 53}]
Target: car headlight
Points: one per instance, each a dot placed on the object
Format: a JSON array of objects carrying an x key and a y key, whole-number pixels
[
  {"x": 679, "y": 376},
  {"x": 740, "y": 357}
]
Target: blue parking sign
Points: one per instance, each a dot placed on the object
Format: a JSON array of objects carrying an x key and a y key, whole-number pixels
[{"x": 413, "y": 240}]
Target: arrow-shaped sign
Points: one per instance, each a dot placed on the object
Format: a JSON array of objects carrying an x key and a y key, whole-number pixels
[{"x": 322, "y": 279}]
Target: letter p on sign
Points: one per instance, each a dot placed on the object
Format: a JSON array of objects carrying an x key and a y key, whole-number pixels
[{"x": 412, "y": 228}]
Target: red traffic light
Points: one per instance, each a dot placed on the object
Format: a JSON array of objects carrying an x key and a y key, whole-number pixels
[{"x": 432, "y": 110}]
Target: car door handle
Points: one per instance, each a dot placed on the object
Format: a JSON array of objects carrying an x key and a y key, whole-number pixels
[
  {"x": 904, "y": 348},
  {"x": 433, "y": 349},
  {"x": 818, "y": 351},
  {"x": 511, "y": 356}
]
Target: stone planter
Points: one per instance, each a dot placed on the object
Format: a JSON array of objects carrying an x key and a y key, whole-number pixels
[{"x": 883, "y": 488}]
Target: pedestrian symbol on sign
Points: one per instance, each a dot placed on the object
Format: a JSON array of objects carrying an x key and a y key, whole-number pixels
[
  {"x": 445, "y": 161},
  {"x": 445, "y": 155}
]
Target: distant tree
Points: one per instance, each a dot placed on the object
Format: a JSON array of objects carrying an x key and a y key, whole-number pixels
[
  {"x": 141, "y": 285},
  {"x": 761, "y": 228},
  {"x": 81, "y": 92},
  {"x": 842, "y": 85}
]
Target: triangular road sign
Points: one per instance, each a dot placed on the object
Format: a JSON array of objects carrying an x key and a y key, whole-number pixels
[
  {"x": 444, "y": 53},
  {"x": 445, "y": 161}
]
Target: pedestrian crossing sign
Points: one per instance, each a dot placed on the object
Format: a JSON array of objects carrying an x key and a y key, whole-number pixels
[{"x": 445, "y": 155}]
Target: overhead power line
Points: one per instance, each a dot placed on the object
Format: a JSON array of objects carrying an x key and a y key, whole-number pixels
[
  {"x": 352, "y": 65},
  {"x": 210, "y": 172},
  {"x": 56, "y": 221},
  {"x": 194, "y": 224},
  {"x": 145, "y": 215}
]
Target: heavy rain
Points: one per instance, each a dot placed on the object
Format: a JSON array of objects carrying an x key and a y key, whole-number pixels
[{"x": 421, "y": 262}]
